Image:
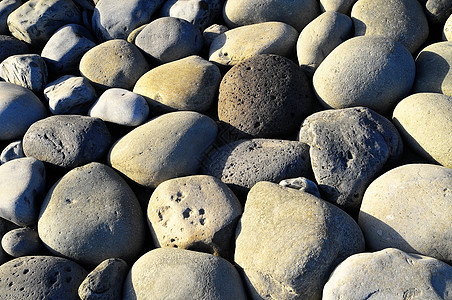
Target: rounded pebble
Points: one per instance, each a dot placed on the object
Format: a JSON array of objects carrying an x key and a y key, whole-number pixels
[
  {"x": 22, "y": 242},
  {"x": 447, "y": 31},
  {"x": 27, "y": 70},
  {"x": 10, "y": 46},
  {"x": 14, "y": 150}
]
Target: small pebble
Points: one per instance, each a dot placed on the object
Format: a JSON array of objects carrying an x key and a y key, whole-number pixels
[
  {"x": 13, "y": 151},
  {"x": 22, "y": 242}
]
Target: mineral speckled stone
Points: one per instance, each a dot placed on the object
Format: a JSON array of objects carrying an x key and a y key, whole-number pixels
[
  {"x": 293, "y": 259},
  {"x": 27, "y": 70},
  {"x": 10, "y": 46},
  {"x": 342, "y": 6},
  {"x": 67, "y": 141},
  {"x": 7, "y": 7},
  {"x": 265, "y": 96},
  {"x": 90, "y": 215},
  {"x": 22, "y": 242},
  {"x": 40, "y": 277},
  {"x": 409, "y": 208},
  {"x": 369, "y": 71},
  {"x": 182, "y": 274},
  {"x": 14, "y": 150}
]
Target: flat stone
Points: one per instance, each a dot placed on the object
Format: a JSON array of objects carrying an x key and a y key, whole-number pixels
[
  {"x": 265, "y": 96},
  {"x": 196, "y": 212},
  {"x": 389, "y": 274},
  {"x": 171, "y": 145},
  {"x": 350, "y": 76},
  {"x": 395, "y": 202},
  {"x": 22, "y": 242},
  {"x": 341, "y": 6},
  {"x": 121, "y": 107},
  {"x": 14, "y": 150},
  {"x": 19, "y": 108},
  {"x": 27, "y": 70},
  {"x": 302, "y": 184},
  {"x": 189, "y": 83},
  {"x": 401, "y": 20},
  {"x": 10, "y": 46},
  {"x": 67, "y": 141},
  {"x": 295, "y": 13},
  {"x": 22, "y": 184},
  {"x": 7, "y": 7},
  {"x": 90, "y": 215},
  {"x": 115, "y": 63},
  {"x": 40, "y": 277},
  {"x": 288, "y": 241},
  {"x": 229, "y": 49},
  {"x": 182, "y": 274},
  {"x": 447, "y": 31},
  {"x": 348, "y": 149}
]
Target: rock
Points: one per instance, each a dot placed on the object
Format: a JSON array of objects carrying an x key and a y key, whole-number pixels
[
  {"x": 433, "y": 69},
  {"x": 19, "y": 108},
  {"x": 3, "y": 230},
  {"x": 90, "y": 215},
  {"x": 27, "y": 70},
  {"x": 35, "y": 21},
  {"x": 229, "y": 49},
  {"x": 437, "y": 11},
  {"x": 401, "y": 20},
  {"x": 288, "y": 242},
  {"x": 22, "y": 184},
  {"x": 14, "y": 150},
  {"x": 70, "y": 95},
  {"x": 109, "y": 22},
  {"x": 167, "y": 39},
  {"x": 425, "y": 122},
  {"x": 265, "y": 96},
  {"x": 40, "y": 277},
  {"x": 22, "y": 242},
  {"x": 114, "y": 63},
  {"x": 341, "y": 6},
  {"x": 120, "y": 106},
  {"x": 197, "y": 212},
  {"x": 189, "y": 83},
  {"x": 212, "y": 32},
  {"x": 182, "y": 274},
  {"x": 133, "y": 35},
  {"x": 67, "y": 141},
  {"x": 65, "y": 48},
  {"x": 348, "y": 149},
  {"x": 349, "y": 76},
  {"x": 395, "y": 202},
  {"x": 10, "y": 46},
  {"x": 171, "y": 145},
  {"x": 105, "y": 281},
  {"x": 295, "y": 13},
  {"x": 244, "y": 163},
  {"x": 320, "y": 37},
  {"x": 7, "y": 7},
  {"x": 303, "y": 184},
  {"x": 447, "y": 31},
  {"x": 389, "y": 274}
]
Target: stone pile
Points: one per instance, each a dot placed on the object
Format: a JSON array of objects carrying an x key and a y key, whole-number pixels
[{"x": 225, "y": 149}]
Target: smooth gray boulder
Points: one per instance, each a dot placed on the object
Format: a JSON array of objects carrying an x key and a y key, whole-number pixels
[
  {"x": 171, "y": 145},
  {"x": 27, "y": 70},
  {"x": 10, "y": 46},
  {"x": 341, "y": 6},
  {"x": 12, "y": 151},
  {"x": 302, "y": 184},
  {"x": 288, "y": 242},
  {"x": 390, "y": 274},
  {"x": 40, "y": 277},
  {"x": 90, "y": 215},
  {"x": 7, "y": 7},
  {"x": 182, "y": 274},
  {"x": 22, "y": 186},
  {"x": 348, "y": 149},
  {"x": 67, "y": 141},
  {"x": 22, "y": 242},
  {"x": 19, "y": 108}
]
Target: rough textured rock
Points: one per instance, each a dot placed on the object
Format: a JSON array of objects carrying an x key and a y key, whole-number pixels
[
  {"x": 189, "y": 83},
  {"x": 390, "y": 274},
  {"x": 342, "y": 6},
  {"x": 90, "y": 215},
  {"x": 14, "y": 150},
  {"x": 7, "y": 7},
  {"x": 35, "y": 21},
  {"x": 401, "y": 20},
  {"x": 27, "y": 70},
  {"x": 10, "y": 46},
  {"x": 229, "y": 49},
  {"x": 105, "y": 281},
  {"x": 19, "y": 108},
  {"x": 167, "y": 39},
  {"x": 433, "y": 69},
  {"x": 437, "y": 11},
  {"x": 320, "y": 37},
  {"x": 369, "y": 71},
  {"x": 67, "y": 140},
  {"x": 22, "y": 242},
  {"x": 39, "y": 277},
  {"x": 197, "y": 212},
  {"x": 349, "y": 147},
  {"x": 425, "y": 122},
  {"x": 395, "y": 202},
  {"x": 171, "y": 145},
  {"x": 303, "y": 184},
  {"x": 120, "y": 106},
  {"x": 447, "y": 31},
  {"x": 265, "y": 96},
  {"x": 182, "y": 274},
  {"x": 293, "y": 259},
  {"x": 22, "y": 184},
  {"x": 115, "y": 63},
  {"x": 244, "y": 163}
]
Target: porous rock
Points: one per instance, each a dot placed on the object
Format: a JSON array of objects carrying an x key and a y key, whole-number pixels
[
  {"x": 27, "y": 70},
  {"x": 7, "y": 7},
  {"x": 10, "y": 46},
  {"x": 22, "y": 242},
  {"x": 12, "y": 151}
]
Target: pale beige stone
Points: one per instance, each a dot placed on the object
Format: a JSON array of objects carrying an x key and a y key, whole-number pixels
[{"x": 447, "y": 31}]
